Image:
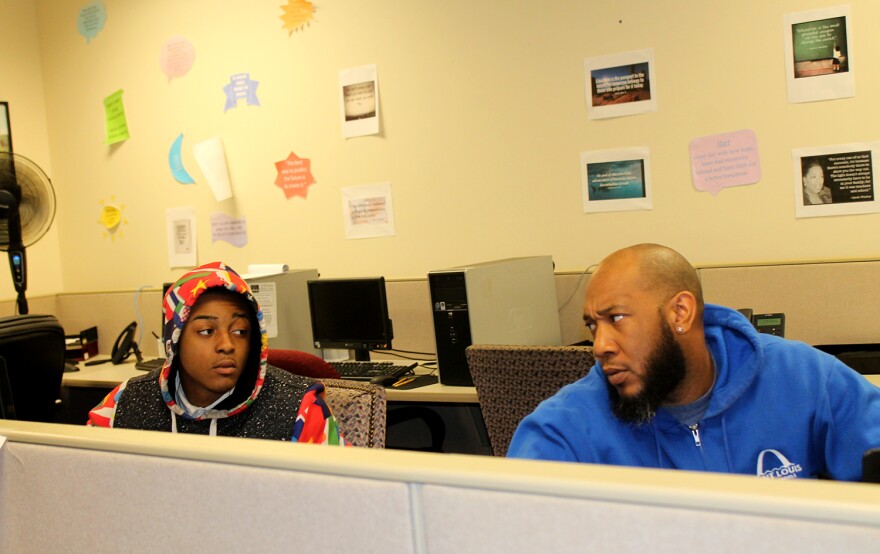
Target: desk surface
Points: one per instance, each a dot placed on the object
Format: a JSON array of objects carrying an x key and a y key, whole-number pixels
[{"x": 109, "y": 375}]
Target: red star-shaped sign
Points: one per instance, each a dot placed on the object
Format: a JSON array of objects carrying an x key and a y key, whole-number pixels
[{"x": 294, "y": 176}]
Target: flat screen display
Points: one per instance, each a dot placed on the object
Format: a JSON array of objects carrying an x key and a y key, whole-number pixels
[{"x": 350, "y": 313}]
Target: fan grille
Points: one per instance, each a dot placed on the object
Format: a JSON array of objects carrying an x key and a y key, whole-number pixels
[{"x": 36, "y": 209}]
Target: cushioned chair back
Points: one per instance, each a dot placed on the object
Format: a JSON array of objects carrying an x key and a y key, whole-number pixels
[
  {"x": 301, "y": 363},
  {"x": 360, "y": 409},
  {"x": 512, "y": 380},
  {"x": 32, "y": 348}
]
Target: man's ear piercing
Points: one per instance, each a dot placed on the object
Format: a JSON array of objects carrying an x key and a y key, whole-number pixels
[{"x": 680, "y": 329}]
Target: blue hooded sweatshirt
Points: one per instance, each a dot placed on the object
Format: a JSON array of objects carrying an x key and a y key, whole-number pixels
[{"x": 779, "y": 409}]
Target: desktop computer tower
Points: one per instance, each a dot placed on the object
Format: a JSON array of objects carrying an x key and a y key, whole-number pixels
[
  {"x": 284, "y": 300},
  {"x": 510, "y": 301}
]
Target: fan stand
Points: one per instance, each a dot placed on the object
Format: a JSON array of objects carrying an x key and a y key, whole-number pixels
[
  {"x": 18, "y": 266},
  {"x": 17, "y": 257},
  {"x": 27, "y": 207}
]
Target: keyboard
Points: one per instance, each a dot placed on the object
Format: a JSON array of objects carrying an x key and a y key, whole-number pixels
[
  {"x": 364, "y": 371},
  {"x": 150, "y": 365}
]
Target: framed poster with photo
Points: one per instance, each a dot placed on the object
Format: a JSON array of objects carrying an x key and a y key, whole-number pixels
[
  {"x": 621, "y": 84},
  {"x": 616, "y": 180},
  {"x": 819, "y": 55},
  {"x": 835, "y": 180},
  {"x": 5, "y": 129}
]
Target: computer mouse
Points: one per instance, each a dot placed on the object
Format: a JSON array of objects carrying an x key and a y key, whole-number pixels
[
  {"x": 384, "y": 380},
  {"x": 69, "y": 367}
]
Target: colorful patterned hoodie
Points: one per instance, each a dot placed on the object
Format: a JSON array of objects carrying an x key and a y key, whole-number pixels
[{"x": 266, "y": 402}]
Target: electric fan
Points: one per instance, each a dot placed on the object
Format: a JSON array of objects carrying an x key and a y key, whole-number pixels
[{"x": 27, "y": 208}]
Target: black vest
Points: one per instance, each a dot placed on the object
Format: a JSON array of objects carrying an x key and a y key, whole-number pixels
[{"x": 272, "y": 415}]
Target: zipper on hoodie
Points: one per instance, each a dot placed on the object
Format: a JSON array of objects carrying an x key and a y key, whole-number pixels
[
  {"x": 698, "y": 442},
  {"x": 695, "y": 431}
]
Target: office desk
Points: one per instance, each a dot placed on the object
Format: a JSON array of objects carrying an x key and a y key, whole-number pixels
[
  {"x": 107, "y": 376},
  {"x": 458, "y": 407}
]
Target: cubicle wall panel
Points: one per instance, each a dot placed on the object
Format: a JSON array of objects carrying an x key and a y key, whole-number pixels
[
  {"x": 409, "y": 307},
  {"x": 44, "y": 305},
  {"x": 55, "y": 499},
  {"x": 110, "y": 312},
  {"x": 827, "y": 303},
  {"x": 472, "y": 520}
]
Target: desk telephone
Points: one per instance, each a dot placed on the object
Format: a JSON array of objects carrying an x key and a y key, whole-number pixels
[{"x": 773, "y": 324}]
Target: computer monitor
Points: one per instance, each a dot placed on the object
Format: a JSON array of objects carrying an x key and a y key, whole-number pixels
[{"x": 350, "y": 313}]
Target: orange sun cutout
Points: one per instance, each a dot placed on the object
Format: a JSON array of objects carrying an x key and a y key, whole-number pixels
[{"x": 297, "y": 14}]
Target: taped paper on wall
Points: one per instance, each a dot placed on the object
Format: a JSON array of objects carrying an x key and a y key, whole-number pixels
[
  {"x": 181, "y": 230},
  {"x": 266, "y": 294},
  {"x": 212, "y": 160},
  {"x": 266, "y": 269}
]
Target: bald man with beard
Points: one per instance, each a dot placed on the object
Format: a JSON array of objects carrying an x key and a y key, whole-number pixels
[{"x": 681, "y": 384}]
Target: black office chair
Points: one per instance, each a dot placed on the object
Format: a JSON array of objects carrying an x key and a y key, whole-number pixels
[{"x": 32, "y": 351}]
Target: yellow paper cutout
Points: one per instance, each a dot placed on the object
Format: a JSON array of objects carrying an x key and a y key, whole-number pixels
[
  {"x": 297, "y": 14},
  {"x": 111, "y": 218}
]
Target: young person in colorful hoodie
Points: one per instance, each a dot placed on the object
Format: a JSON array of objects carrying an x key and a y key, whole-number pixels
[
  {"x": 683, "y": 385},
  {"x": 215, "y": 379}
]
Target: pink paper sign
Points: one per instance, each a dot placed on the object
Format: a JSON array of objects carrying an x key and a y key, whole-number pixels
[
  {"x": 177, "y": 57},
  {"x": 294, "y": 176},
  {"x": 725, "y": 160}
]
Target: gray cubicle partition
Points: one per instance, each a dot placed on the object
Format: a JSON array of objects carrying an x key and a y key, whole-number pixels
[{"x": 76, "y": 489}]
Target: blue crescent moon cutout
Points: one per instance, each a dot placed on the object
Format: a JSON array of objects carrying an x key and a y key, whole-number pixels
[{"x": 176, "y": 163}]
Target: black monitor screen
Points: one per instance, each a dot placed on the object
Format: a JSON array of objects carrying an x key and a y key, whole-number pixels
[{"x": 350, "y": 313}]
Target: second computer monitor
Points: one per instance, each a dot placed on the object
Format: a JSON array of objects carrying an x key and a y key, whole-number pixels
[{"x": 351, "y": 314}]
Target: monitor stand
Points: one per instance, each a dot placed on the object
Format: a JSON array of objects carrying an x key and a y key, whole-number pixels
[{"x": 362, "y": 354}]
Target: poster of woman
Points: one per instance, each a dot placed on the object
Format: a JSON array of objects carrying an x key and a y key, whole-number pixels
[{"x": 835, "y": 180}]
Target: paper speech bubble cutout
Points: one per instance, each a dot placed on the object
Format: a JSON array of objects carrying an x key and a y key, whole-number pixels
[
  {"x": 91, "y": 20},
  {"x": 294, "y": 176},
  {"x": 177, "y": 57},
  {"x": 725, "y": 160},
  {"x": 297, "y": 14},
  {"x": 176, "y": 162}
]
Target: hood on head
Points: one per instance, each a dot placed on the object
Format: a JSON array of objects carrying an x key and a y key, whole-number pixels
[{"x": 178, "y": 303}]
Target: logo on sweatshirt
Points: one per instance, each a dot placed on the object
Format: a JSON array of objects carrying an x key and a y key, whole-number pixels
[{"x": 772, "y": 464}]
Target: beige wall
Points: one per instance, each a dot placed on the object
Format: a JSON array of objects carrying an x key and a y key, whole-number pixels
[
  {"x": 483, "y": 120},
  {"x": 22, "y": 85}
]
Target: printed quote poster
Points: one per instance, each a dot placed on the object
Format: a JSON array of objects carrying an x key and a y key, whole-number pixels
[
  {"x": 835, "y": 180},
  {"x": 616, "y": 180},
  {"x": 359, "y": 94},
  {"x": 180, "y": 226},
  {"x": 621, "y": 84},
  {"x": 818, "y": 55},
  {"x": 368, "y": 211}
]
